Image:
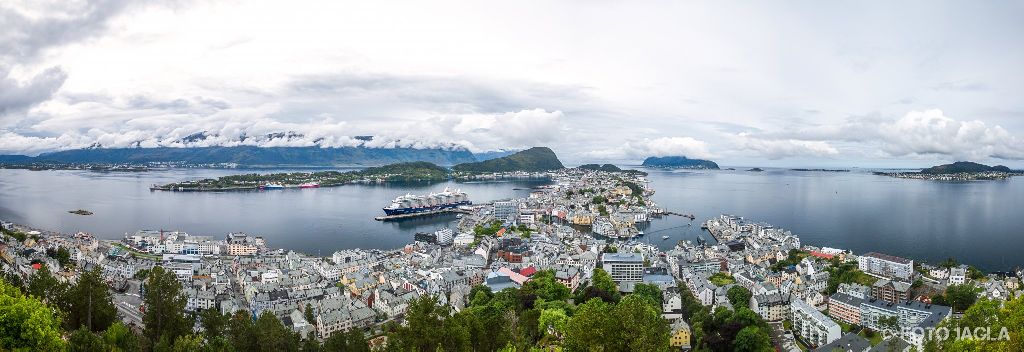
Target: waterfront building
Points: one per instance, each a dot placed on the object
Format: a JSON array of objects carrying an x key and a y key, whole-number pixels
[
  {"x": 814, "y": 327},
  {"x": 624, "y": 267},
  {"x": 885, "y": 265},
  {"x": 506, "y": 210}
]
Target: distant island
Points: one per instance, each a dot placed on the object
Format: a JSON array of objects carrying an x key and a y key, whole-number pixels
[
  {"x": 756, "y": 169},
  {"x": 243, "y": 156},
  {"x": 80, "y": 212},
  {"x": 964, "y": 167},
  {"x": 530, "y": 161},
  {"x": 821, "y": 170},
  {"x": 536, "y": 159},
  {"x": 958, "y": 171},
  {"x": 679, "y": 162},
  {"x": 599, "y": 167},
  {"x": 609, "y": 168},
  {"x": 401, "y": 172}
]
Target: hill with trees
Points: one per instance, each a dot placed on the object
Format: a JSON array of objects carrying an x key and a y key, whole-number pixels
[
  {"x": 599, "y": 167},
  {"x": 679, "y": 162},
  {"x": 535, "y": 159},
  {"x": 964, "y": 167}
]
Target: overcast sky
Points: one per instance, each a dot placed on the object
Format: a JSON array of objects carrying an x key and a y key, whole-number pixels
[{"x": 796, "y": 83}]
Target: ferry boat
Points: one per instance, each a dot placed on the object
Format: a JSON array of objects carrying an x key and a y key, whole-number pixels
[
  {"x": 309, "y": 185},
  {"x": 411, "y": 204},
  {"x": 272, "y": 186}
]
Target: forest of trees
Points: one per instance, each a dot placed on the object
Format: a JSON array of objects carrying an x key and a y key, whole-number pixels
[{"x": 43, "y": 313}]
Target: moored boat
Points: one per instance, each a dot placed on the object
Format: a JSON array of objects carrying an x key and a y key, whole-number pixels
[{"x": 411, "y": 204}]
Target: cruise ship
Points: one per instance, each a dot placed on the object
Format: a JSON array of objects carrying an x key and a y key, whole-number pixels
[{"x": 411, "y": 204}]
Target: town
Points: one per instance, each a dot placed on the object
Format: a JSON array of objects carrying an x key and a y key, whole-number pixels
[{"x": 579, "y": 230}]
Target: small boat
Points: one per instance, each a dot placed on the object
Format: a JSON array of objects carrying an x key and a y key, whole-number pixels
[
  {"x": 664, "y": 237},
  {"x": 309, "y": 185},
  {"x": 272, "y": 186},
  {"x": 641, "y": 233}
]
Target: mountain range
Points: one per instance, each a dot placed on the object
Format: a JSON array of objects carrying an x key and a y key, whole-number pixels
[{"x": 250, "y": 156}]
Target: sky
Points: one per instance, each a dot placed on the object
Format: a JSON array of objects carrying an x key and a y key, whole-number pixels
[{"x": 758, "y": 83}]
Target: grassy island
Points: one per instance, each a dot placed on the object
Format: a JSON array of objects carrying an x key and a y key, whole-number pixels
[{"x": 401, "y": 172}]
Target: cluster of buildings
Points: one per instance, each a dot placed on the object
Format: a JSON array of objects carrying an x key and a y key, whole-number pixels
[
  {"x": 359, "y": 289},
  {"x": 798, "y": 293}
]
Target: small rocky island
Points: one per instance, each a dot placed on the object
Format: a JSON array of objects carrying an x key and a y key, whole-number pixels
[
  {"x": 958, "y": 171},
  {"x": 679, "y": 162},
  {"x": 80, "y": 212},
  {"x": 756, "y": 169}
]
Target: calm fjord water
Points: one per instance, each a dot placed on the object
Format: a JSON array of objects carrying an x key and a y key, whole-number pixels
[{"x": 980, "y": 223}]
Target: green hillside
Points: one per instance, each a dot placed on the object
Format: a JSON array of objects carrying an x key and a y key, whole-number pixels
[{"x": 531, "y": 160}]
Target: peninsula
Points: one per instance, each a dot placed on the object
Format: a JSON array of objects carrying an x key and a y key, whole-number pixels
[
  {"x": 958, "y": 171},
  {"x": 401, "y": 172}
]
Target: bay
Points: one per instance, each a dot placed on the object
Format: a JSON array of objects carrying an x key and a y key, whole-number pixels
[{"x": 979, "y": 222}]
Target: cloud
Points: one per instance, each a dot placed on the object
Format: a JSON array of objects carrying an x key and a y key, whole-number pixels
[
  {"x": 931, "y": 132},
  {"x": 27, "y": 27},
  {"x": 783, "y": 148},
  {"x": 19, "y": 96},
  {"x": 663, "y": 146},
  {"x": 928, "y": 132},
  {"x": 166, "y": 126}
]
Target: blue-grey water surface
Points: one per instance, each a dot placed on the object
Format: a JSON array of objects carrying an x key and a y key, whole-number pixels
[{"x": 980, "y": 223}]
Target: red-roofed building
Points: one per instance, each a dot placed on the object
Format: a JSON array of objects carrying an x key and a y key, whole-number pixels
[
  {"x": 500, "y": 232},
  {"x": 516, "y": 277},
  {"x": 529, "y": 271},
  {"x": 37, "y": 266},
  {"x": 821, "y": 255}
]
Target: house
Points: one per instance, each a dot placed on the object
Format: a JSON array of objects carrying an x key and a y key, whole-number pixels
[
  {"x": 569, "y": 276},
  {"x": 958, "y": 275},
  {"x": 671, "y": 306},
  {"x": 680, "y": 335}
]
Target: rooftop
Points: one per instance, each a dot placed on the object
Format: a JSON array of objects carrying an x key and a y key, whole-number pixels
[
  {"x": 887, "y": 257},
  {"x": 622, "y": 257}
]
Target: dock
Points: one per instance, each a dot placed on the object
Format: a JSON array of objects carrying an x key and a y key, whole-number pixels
[{"x": 425, "y": 213}]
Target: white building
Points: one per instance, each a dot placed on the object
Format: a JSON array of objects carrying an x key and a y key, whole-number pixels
[
  {"x": 886, "y": 265},
  {"x": 958, "y": 275},
  {"x": 506, "y": 210},
  {"x": 816, "y": 328},
  {"x": 624, "y": 267}
]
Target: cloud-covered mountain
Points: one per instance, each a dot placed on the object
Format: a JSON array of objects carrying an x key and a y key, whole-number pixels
[{"x": 252, "y": 156}]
